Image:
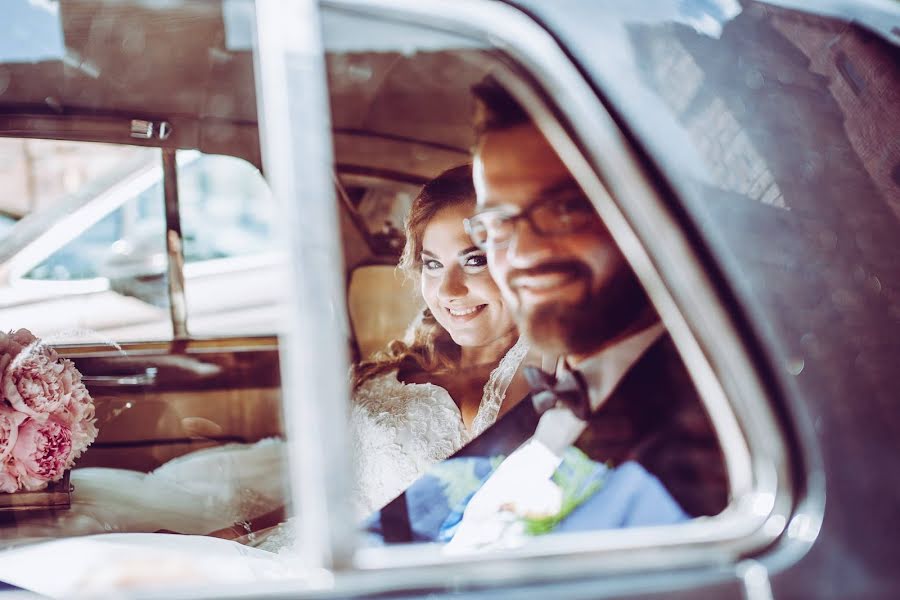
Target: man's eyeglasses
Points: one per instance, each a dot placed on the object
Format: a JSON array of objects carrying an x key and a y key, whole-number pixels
[{"x": 496, "y": 228}]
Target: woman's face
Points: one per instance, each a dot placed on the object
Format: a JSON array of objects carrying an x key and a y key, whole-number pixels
[{"x": 456, "y": 284}]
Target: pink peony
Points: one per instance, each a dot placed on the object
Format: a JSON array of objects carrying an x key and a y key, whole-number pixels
[
  {"x": 84, "y": 429},
  {"x": 12, "y": 343},
  {"x": 42, "y": 453},
  {"x": 38, "y": 383},
  {"x": 79, "y": 404},
  {"x": 46, "y": 413},
  {"x": 9, "y": 483},
  {"x": 9, "y": 430},
  {"x": 78, "y": 413}
]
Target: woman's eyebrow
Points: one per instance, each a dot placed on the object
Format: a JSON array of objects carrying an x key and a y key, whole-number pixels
[
  {"x": 429, "y": 254},
  {"x": 468, "y": 250}
]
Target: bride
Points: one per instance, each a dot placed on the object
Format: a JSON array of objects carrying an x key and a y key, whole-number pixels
[
  {"x": 413, "y": 404},
  {"x": 420, "y": 400}
]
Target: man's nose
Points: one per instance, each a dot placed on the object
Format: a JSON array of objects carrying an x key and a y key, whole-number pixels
[
  {"x": 527, "y": 246},
  {"x": 453, "y": 284}
]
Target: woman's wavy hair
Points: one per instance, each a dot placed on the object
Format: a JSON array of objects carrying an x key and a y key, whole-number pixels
[{"x": 426, "y": 345}]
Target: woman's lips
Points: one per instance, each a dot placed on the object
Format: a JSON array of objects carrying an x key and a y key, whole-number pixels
[{"x": 461, "y": 315}]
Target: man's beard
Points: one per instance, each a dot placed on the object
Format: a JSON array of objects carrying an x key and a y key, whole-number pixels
[{"x": 584, "y": 325}]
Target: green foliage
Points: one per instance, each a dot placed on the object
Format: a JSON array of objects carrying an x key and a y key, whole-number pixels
[
  {"x": 576, "y": 478},
  {"x": 458, "y": 478}
]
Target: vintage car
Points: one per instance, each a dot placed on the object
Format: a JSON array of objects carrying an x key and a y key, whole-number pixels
[{"x": 745, "y": 156}]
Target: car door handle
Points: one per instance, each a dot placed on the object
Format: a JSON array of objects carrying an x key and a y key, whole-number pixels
[{"x": 148, "y": 377}]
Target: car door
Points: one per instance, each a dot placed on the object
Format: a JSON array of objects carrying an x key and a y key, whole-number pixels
[
  {"x": 369, "y": 94},
  {"x": 679, "y": 128},
  {"x": 145, "y": 248}
]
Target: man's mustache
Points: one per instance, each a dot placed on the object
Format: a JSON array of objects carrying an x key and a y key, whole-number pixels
[{"x": 572, "y": 268}]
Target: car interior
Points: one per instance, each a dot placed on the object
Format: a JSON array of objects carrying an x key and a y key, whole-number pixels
[
  {"x": 161, "y": 396},
  {"x": 202, "y": 210},
  {"x": 158, "y": 399}
]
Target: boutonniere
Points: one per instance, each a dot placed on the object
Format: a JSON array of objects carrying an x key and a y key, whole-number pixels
[
  {"x": 577, "y": 478},
  {"x": 528, "y": 494}
]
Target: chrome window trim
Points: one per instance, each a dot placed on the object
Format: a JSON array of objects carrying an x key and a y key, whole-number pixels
[
  {"x": 756, "y": 455},
  {"x": 174, "y": 246},
  {"x": 296, "y": 149}
]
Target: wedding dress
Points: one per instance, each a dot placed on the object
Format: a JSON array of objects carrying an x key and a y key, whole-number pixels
[{"x": 398, "y": 431}]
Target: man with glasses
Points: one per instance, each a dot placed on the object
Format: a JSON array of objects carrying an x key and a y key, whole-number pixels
[
  {"x": 618, "y": 403},
  {"x": 575, "y": 296}
]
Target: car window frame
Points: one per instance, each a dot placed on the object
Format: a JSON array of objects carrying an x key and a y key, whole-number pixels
[
  {"x": 700, "y": 323},
  {"x": 599, "y": 162},
  {"x": 86, "y": 208}
]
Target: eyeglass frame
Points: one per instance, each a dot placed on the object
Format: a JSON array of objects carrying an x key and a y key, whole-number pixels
[{"x": 525, "y": 213}]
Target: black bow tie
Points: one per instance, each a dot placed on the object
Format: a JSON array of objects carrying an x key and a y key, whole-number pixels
[{"x": 549, "y": 391}]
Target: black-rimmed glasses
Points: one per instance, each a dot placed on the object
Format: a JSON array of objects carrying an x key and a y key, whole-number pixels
[{"x": 496, "y": 228}]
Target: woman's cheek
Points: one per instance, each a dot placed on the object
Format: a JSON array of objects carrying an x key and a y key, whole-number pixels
[{"x": 429, "y": 293}]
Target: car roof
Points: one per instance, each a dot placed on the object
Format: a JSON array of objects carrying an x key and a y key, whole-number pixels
[{"x": 114, "y": 63}]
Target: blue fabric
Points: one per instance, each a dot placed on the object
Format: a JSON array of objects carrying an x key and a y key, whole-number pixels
[{"x": 628, "y": 496}]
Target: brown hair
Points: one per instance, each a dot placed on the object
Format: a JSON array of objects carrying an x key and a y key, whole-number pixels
[
  {"x": 427, "y": 346},
  {"x": 495, "y": 108}
]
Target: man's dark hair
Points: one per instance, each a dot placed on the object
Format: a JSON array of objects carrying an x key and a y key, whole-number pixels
[{"x": 495, "y": 108}]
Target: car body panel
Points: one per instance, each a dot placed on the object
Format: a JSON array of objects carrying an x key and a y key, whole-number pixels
[
  {"x": 805, "y": 277},
  {"x": 809, "y": 272}
]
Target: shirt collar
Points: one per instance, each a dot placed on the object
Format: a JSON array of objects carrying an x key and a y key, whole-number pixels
[{"x": 603, "y": 371}]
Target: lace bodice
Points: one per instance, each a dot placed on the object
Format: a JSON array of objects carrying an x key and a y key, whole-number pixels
[{"x": 400, "y": 429}]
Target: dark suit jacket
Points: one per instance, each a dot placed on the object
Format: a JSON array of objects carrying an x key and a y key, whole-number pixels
[{"x": 654, "y": 417}]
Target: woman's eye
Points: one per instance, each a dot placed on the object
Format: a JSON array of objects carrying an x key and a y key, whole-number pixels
[
  {"x": 475, "y": 260},
  {"x": 430, "y": 264}
]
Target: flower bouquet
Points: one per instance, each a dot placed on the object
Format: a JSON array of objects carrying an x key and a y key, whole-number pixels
[{"x": 46, "y": 419}]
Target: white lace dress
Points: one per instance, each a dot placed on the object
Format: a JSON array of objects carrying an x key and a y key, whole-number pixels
[{"x": 400, "y": 429}]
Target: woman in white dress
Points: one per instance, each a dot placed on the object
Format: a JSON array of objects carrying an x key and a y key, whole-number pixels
[
  {"x": 414, "y": 404},
  {"x": 421, "y": 399}
]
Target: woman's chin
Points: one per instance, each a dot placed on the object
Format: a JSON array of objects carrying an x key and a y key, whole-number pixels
[
  {"x": 462, "y": 339},
  {"x": 474, "y": 338},
  {"x": 469, "y": 339}
]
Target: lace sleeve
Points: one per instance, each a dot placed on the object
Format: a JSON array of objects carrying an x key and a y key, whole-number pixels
[
  {"x": 398, "y": 430},
  {"x": 496, "y": 386}
]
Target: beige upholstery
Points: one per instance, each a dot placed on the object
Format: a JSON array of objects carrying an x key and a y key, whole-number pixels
[{"x": 382, "y": 303}]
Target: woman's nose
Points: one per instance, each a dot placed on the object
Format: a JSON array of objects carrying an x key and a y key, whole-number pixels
[{"x": 453, "y": 284}]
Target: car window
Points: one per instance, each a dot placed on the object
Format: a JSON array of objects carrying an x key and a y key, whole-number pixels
[
  {"x": 383, "y": 111},
  {"x": 6, "y": 223},
  {"x": 681, "y": 463},
  {"x": 118, "y": 241},
  {"x": 226, "y": 211},
  {"x": 116, "y": 426}
]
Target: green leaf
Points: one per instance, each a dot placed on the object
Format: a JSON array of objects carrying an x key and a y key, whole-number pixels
[{"x": 575, "y": 477}]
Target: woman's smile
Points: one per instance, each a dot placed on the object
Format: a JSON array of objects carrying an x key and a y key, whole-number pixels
[{"x": 465, "y": 314}]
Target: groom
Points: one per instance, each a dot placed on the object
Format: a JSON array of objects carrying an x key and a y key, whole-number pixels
[{"x": 574, "y": 296}]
